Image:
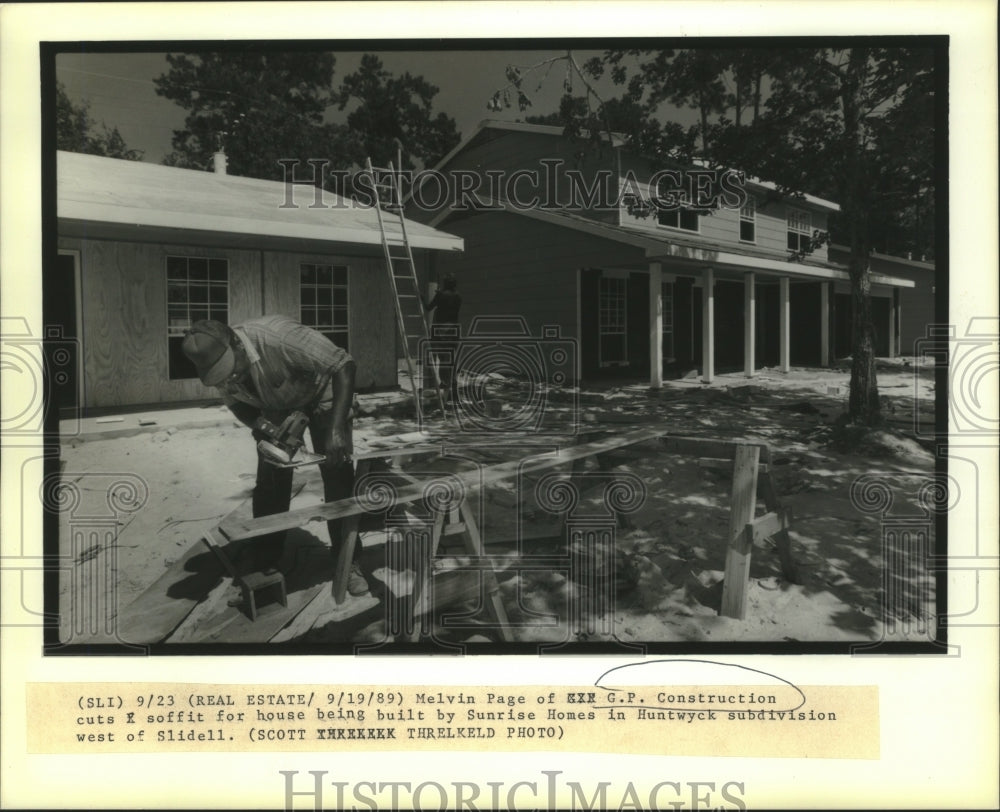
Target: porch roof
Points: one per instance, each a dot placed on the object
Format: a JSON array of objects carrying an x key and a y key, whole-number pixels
[{"x": 699, "y": 253}]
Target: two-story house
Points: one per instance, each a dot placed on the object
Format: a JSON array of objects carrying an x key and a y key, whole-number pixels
[{"x": 558, "y": 235}]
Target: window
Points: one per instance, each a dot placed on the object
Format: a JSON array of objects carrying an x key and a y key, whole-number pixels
[
  {"x": 679, "y": 218},
  {"x": 612, "y": 304},
  {"x": 197, "y": 288},
  {"x": 748, "y": 221},
  {"x": 667, "y": 298},
  {"x": 799, "y": 230},
  {"x": 678, "y": 215},
  {"x": 323, "y": 300}
]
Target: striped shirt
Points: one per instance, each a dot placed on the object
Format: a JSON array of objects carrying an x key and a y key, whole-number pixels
[{"x": 291, "y": 365}]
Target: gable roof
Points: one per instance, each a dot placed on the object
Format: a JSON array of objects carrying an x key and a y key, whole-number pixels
[
  {"x": 95, "y": 189},
  {"x": 617, "y": 140}
]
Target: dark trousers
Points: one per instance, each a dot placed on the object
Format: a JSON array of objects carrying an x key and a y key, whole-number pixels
[
  {"x": 273, "y": 494},
  {"x": 446, "y": 355}
]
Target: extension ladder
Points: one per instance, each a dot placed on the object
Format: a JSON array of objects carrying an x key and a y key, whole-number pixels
[{"x": 410, "y": 314}]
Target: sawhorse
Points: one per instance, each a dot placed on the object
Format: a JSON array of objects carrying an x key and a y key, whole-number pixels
[{"x": 458, "y": 521}]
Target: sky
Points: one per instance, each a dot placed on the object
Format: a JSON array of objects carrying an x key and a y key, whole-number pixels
[{"x": 119, "y": 87}]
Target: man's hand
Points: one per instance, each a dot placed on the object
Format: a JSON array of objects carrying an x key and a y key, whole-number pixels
[
  {"x": 338, "y": 447},
  {"x": 246, "y": 414},
  {"x": 338, "y": 443}
]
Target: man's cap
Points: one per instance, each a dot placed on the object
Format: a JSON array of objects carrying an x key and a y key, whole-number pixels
[{"x": 207, "y": 344}]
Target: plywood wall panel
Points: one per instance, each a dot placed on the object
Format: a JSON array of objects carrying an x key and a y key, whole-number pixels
[
  {"x": 281, "y": 283},
  {"x": 123, "y": 289},
  {"x": 373, "y": 324},
  {"x": 123, "y": 308},
  {"x": 371, "y": 318}
]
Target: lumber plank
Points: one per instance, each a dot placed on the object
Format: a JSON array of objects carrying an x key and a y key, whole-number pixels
[
  {"x": 169, "y": 600},
  {"x": 448, "y": 587},
  {"x": 219, "y": 622},
  {"x": 246, "y": 529},
  {"x": 160, "y": 611},
  {"x": 320, "y": 611},
  {"x": 233, "y": 626},
  {"x": 742, "y": 506},
  {"x": 704, "y": 447},
  {"x": 726, "y": 465}
]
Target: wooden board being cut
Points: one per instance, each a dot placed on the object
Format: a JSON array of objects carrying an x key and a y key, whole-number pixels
[{"x": 251, "y": 528}]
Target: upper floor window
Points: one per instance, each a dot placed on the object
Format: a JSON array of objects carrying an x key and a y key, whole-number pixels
[
  {"x": 679, "y": 218},
  {"x": 678, "y": 215},
  {"x": 748, "y": 221},
  {"x": 323, "y": 300},
  {"x": 197, "y": 289},
  {"x": 799, "y": 229}
]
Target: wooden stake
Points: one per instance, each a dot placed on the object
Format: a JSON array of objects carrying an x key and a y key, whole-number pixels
[{"x": 743, "y": 505}]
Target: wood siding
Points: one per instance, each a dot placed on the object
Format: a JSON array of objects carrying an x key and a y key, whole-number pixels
[
  {"x": 520, "y": 268},
  {"x": 723, "y": 225},
  {"x": 506, "y": 152}
]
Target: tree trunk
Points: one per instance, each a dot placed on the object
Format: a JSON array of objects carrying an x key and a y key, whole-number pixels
[
  {"x": 863, "y": 404},
  {"x": 704, "y": 129},
  {"x": 738, "y": 80},
  {"x": 756, "y": 95}
]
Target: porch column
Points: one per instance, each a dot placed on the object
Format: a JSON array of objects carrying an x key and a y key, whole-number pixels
[
  {"x": 708, "y": 325},
  {"x": 897, "y": 296},
  {"x": 892, "y": 323},
  {"x": 579, "y": 327},
  {"x": 749, "y": 323},
  {"x": 655, "y": 325},
  {"x": 784, "y": 319},
  {"x": 824, "y": 324}
]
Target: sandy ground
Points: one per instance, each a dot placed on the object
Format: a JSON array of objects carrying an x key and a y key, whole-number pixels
[{"x": 669, "y": 554}]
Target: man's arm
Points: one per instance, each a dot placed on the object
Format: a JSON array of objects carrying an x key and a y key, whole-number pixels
[{"x": 337, "y": 442}]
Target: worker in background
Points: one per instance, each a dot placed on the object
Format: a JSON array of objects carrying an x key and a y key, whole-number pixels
[
  {"x": 269, "y": 367},
  {"x": 445, "y": 306}
]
